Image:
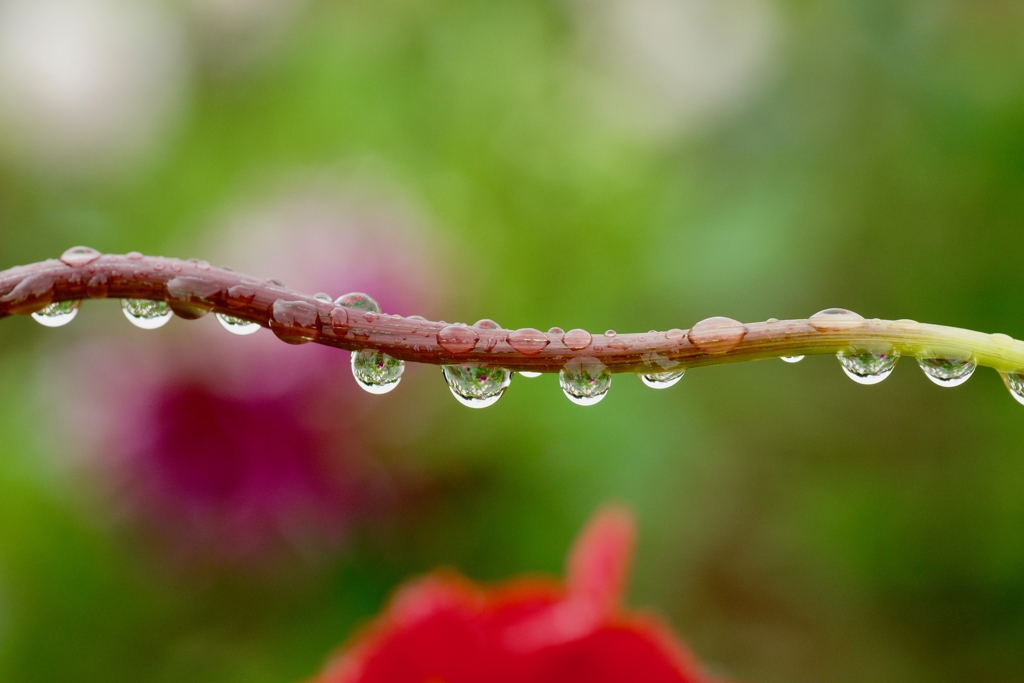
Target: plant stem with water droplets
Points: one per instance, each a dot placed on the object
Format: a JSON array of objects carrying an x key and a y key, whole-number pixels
[{"x": 194, "y": 288}]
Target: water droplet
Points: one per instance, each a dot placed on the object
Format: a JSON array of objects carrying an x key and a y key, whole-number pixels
[
  {"x": 585, "y": 380},
  {"x": 324, "y": 297},
  {"x": 609, "y": 333},
  {"x": 529, "y": 375},
  {"x": 294, "y": 322},
  {"x": 487, "y": 324},
  {"x": 717, "y": 335},
  {"x": 376, "y": 371},
  {"x": 772, "y": 320},
  {"x": 662, "y": 380},
  {"x": 577, "y": 339},
  {"x": 835, "y": 319},
  {"x": 190, "y": 297},
  {"x": 528, "y": 341},
  {"x": 134, "y": 255},
  {"x": 363, "y": 302},
  {"x": 865, "y": 367},
  {"x": 240, "y": 295},
  {"x": 556, "y": 330},
  {"x": 237, "y": 325},
  {"x": 792, "y": 359},
  {"x": 149, "y": 315},
  {"x": 79, "y": 256},
  {"x": 948, "y": 372},
  {"x": 675, "y": 334},
  {"x": 57, "y": 314},
  {"x": 1014, "y": 381},
  {"x": 476, "y": 386},
  {"x": 1002, "y": 339},
  {"x": 457, "y": 339}
]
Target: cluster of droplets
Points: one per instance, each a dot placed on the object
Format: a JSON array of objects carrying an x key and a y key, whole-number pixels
[{"x": 584, "y": 379}]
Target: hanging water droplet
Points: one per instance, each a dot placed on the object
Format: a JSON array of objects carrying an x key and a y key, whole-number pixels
[
  {"x": 585, "y": 380},
  {"x": 1014, "y": 381},
  {"x": 476, "y": 386},
  {"x": 237, "y": 325},
  {"x": 717, "y": 335},
  {"x": 662, "y": 380},
  {"x": 457, "y": 339},
  {"x": 149, "y": 315},
  {"x": 947, "y": 372},
  {"x": 835, "y": 319},
  {"x": 364, "y": 302},
  {"x": 79, "y": 256},
  {"x": 792, "y": 359},
  {"x": 528, "y": 341},
  {"x": 191, "y": 297},
  {"x": 57, "y": 314},
  {"x": 529, "y": 375},
  {"x": 866, "y": 367},
  {"x": 376, "y": 371}
]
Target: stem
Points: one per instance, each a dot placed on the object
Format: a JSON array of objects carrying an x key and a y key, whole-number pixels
[{"x": 194, "y": 288}]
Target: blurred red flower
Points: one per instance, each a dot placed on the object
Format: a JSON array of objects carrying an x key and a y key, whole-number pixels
[{"x": 446, "y": 629}]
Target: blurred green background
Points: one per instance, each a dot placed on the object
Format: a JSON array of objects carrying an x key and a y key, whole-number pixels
[{"x": 633, "y": 164}]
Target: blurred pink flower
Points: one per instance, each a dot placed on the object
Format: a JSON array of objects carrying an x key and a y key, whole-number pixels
[{"x": 231, "y": 448}]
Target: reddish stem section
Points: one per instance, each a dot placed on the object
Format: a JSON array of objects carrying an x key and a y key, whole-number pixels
[{"x": 194, "y": 288}]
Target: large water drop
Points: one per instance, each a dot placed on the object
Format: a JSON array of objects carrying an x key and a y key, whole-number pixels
[
  {"x": 294, "y": 322},
  {"x": 528, "y": 341},
  {"x": 79, "y": 256},
  {"x": 146, "y": 314},
  {"x": 948, "y": 372},
  {"x": 577, "y": 339},
  {"x": 57, "y": 314},
  {"x": 376, "y": 371},
  {"x": 835, "y": 319},
  {"x": 662, "y": 380},
  {"x": 363, "y": 302},
  {"x": 1015, "y": 383},
  {"x": 866, "y": 367},
  {"x": 457, "y": 339},
  {"x": 585, "y": 380},
  {"x": 237, "y": 325},
  {"x": 476, "y": 386},
  {"x": 717, "y": 335}
]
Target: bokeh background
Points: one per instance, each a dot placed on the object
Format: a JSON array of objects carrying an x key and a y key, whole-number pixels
[{"x": 188, "y": 505}]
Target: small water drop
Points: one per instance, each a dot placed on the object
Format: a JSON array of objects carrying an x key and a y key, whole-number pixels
[
  {"x": 191, "y": 297},
  {"x": 792, "y": 359},
  {"x": 294, "y": 322},
  {"x": 577, "y": 339},
  {"x": 239, "y": 296},
  {"x": 134, "y": 255},
  {"x": 457, "y": 339},
  {"x": 585, "y": 380},
  {"x": 865, "y": 367},
  {"x": 1014, "y": 381},
  {"x": 835, "y": 319},
  {"x": 79, "y": 256},
  {"x": 556, "y": 330},
  {"x": 662, "y": 380},
  {"x": 146, "y": 314},
  {"x": 57, "y": 314},
  {"x": 1002, "y": 339},
  {"x": 947, "y": 372},
  {"x": 529, "y": 375},
  {"x": 363, "y": 302},
  {"x": 528, "y": 341},
  {"x": 717, "y": 335},
  {"x": 237, "y": 325},
  {"x": 772, "y": 320},
  {"x": 610, "y": 333},
  {"x": 376, "y": 371},
  {"x": 476, "y": 386},
  {"x": 324, "y": 297},
  {"x": 487, "y": 324}
]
